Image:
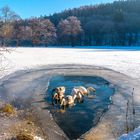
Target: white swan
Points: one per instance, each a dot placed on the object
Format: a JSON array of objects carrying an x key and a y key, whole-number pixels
[
  {"x": 58, "y": 94},
  {"x": 68, "y": 101},
  {"x": 84, "y": 91}
]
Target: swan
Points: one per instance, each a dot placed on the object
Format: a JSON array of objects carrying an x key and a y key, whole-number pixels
[
  {"x": 84, "y": 91},
  {"x": 67, "y": 101},
  {"x": 58, "y": 94}
]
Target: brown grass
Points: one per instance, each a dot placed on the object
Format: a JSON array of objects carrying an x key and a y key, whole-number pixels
[
  {"x": 8, "y": 109},
  {"x": 24, "y": 136}
]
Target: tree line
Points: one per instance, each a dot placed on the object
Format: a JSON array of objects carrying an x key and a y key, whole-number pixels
[{"x": 116, "y": 23}]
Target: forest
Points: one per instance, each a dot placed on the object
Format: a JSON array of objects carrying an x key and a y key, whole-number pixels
[{"x": 110, "y": 24}]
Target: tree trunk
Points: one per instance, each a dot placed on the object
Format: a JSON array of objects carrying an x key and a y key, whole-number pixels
[{"x": 72, "y": 41}]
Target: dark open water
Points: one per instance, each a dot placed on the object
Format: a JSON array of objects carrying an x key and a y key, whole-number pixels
[{"x": 80, "y": 118}]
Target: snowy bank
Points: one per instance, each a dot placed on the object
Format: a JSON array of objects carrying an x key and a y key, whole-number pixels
[{"x": 135, "y": 135}]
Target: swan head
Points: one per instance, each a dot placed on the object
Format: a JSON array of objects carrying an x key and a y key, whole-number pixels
[
  {"x": 60, "y": 89},
  {"x": 70, "y": 100},
  {"x": 91, "y": 89}
]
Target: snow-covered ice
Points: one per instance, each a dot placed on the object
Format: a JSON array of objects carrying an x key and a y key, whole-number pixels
[
  {"x": 127, "y": 62},
  {"x": 123, "y": 61},
  {"x": 135, "y": 135}
]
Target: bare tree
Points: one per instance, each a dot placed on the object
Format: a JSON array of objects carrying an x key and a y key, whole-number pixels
[
  {"x": 48, "y": 31},
  {"x": 70, "y": 27},
  {"x": 21, "y": 32},
  {"x": 7, "y": 17},
  {"x": 42, "y": 31}
]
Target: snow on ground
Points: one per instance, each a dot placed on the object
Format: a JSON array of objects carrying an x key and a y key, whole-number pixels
[
  {"x": 124, "y": 61},
  {"x": 127, "y": 62},
  {"x": 135, "y": 135}
]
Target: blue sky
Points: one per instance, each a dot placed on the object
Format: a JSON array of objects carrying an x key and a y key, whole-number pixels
[{"x": 28, "y": 8}]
